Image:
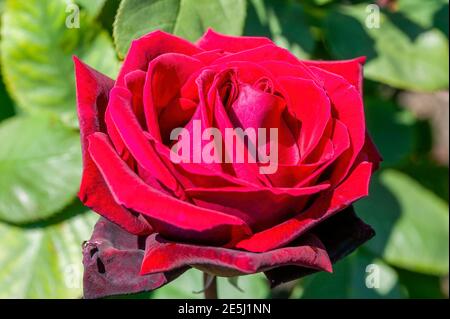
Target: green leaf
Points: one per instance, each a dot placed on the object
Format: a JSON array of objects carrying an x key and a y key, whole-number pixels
[
  {"x": 282, "y": 21},
  {"x": 360, "y": 275},
  {"x": 186, "y": 18},
  {"x": 400, "y": 52},
  {"x": 190, "y": 283},
  {"x": 184, "y": 287},
  {"x": 412, "y": 223},
  {"x": 420, "y": 286},
  {"x": 250, "y": 286},
  {"x": 6, "y": 104},
  {"x": 44, "y": 262},
  {"x": 396, "y": 122},
  {"x": 40, "y": 168},
  {"x": 37, "y": 49},
  {"x": 93, "y": 7}
]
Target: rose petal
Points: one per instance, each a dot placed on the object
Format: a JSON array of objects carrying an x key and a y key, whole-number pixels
[
  {"x": 171, "y": 217},
  {"x": 351, "y": 70},
  {"x": 135, "y": 140},
  {"x": 352, "y": 189},
  {"x": 92, "y": 97},
  {"x": 260, "y": 54},
  {"x": 347, "y": 105},
  {"x": 212, "y": 40},
  {"x": 166, "y": 75},
  {"x": 341, "y": 234},
  {"x": 311, "y": 106},
  {"x": 150, "y": 46},
  {"x": 163, "y": 256},
  {"x": 112, "y": 259},
  {"x": 260, "y": 208}
]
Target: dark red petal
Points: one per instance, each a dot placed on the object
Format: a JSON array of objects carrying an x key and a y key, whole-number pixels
[
  {"x": 212, "y": 40},
  {"x": 311, "y": 106},
  {"x": 371, "y": 153},
  {"x": 347, "y": 106},
  {"x": 351, "y": 70},
  {"x": 353, "y": 188},
  {"x": 261, "y": 207},
  {"x": 166, "y": 75},
  {"x": 92, "y": 98},
  {"x": 112, "y": 260},
  {"x": 260, "y": 54},
  {"x": 133, "y": 137},
  {"x": 135, "y": 82},
  {"x": 170, "y": 216},
  {"x": 150, "y": 46},
  {"x": 163, "y": 256},
  {"x": 341, "y": 234}
]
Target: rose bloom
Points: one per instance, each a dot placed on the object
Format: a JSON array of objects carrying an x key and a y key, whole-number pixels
[{"x": 161, "y": 218}]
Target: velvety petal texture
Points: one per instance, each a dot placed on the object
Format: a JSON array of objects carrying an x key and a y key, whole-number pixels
[{"x": 226, "y": 209}]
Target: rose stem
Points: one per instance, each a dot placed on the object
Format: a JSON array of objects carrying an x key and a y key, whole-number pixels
[{"x": 210, "y": 286}]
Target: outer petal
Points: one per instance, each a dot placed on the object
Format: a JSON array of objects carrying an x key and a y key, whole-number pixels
[
  {"x": 163, "y": 256},
  {"x": 170, "y": 216},
  {"x": 111, "y": 259},
  {"x": 341, "y": 234},
  {"x": 92, "y": 98},
  {"x": 353, "y": 188},
  {"x": 212, "y": 40},
  {"x": 150, "y": 46},
  {"x": 133, "y": 137},
  {"x": 261, "y": 207},
  {"x": 347, "y": 106},
  {"x": 351, "y": 70}
]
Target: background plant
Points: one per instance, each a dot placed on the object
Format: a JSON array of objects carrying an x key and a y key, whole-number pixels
[{"x": 42, "y": 225}]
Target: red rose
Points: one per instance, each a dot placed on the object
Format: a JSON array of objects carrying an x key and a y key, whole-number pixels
[{"x": 223, "y": 218}]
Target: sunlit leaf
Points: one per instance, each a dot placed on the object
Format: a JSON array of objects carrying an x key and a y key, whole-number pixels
[
  {"x": 412, "y": 223},
  {"x": 44, "y": 261},
  {"x": 186, "y": 18},
  {"x": 40, "y": 168},
  {"x": 39, "y": 38}
]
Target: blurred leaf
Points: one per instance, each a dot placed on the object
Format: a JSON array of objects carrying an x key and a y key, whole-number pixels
[
  {"x": 40, "y": 168},
  {"x": 283, "y": 22},
  {"x": 183, "y": 287},
  {"x": 44, "y": 262},
  {"x": 108, "y": 14},
  {"x": 348, "y": 280},
  {"x": 186, "y": 18},
  {"x": 6, "y": 105},
  {"x": 420, "y": 286},
  {"x": 430, "y": 175},
  {"x": 385, "y": 120},
  {"x": 93, "y": 7},
  {"x": 422, "y": 13},
  {"x": 253, "y": 286},
  {"x": 37, "y": 50},
  {"x": 411, "y": 223},
  {"x": 400, "y": 52}
]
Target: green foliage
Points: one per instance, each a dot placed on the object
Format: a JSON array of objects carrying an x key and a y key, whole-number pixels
[
  {"x": 190, "y": 286},
  {"x": 40, "y": 168},
  {"x": 186, "y": 18},
  {"x": 44, "y": 261},
  {"x": 42, "y": 226},
  {"x": 350, "y": 280},
  {"x": 400, "y": 52},
  {"x": 410, "y": 221},
  {"x": 274, "y": 19},
  {"x": 36, "y": 54}
]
